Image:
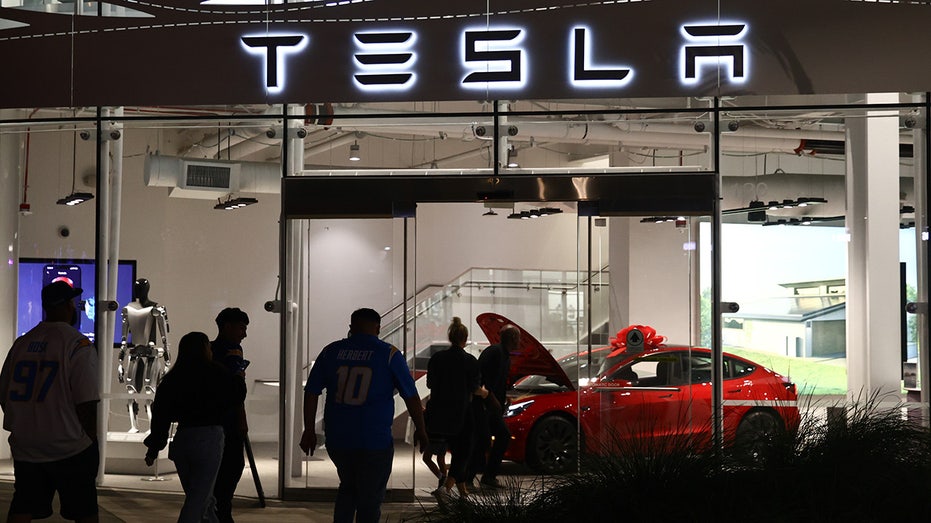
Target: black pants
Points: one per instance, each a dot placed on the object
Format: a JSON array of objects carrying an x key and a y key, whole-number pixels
[
  {"x": 485, "y": 462},
  {"x": 230, "y": 471},
  {"x": 498, "y": 429},
  {"x": 363, "y": 476},
  {"x": 460, "y": 446}
]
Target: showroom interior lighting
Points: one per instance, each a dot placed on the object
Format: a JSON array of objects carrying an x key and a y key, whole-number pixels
[
  {"x": 234, "y": 203},
  {"x": 661, "y": 219},
  {"x": 75, "y": 198},
  {"x": 810, "y": 220},
  {"x": 775, "y": 205},
  {"x": 354, "y": 154},
  {"x": 534, "y": 213},
  {"x": 756, "y": 212},
  {"x": 805, "y": 220},
  {"x": 512, "y": 158}
]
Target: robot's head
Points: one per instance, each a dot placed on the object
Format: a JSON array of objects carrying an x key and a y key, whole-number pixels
[{"x": 141, "y": 289}]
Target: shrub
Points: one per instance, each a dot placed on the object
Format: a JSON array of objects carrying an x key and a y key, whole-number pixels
[{"x": 857, "y": 465}]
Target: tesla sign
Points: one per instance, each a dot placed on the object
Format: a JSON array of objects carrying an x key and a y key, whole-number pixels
[{"x": 497, "y": 58}]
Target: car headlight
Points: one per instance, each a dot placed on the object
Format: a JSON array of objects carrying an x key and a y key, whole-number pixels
[{"x": 517, "y": 408}]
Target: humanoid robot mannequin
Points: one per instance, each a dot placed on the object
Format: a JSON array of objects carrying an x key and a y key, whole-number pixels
[{"x": 148, "y": 357}]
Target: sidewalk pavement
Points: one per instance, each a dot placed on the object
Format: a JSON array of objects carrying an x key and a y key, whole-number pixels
[{"x": 122, "y": 505}]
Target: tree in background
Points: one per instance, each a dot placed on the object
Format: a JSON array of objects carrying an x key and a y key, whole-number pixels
[{"x": 705, "y": 313}]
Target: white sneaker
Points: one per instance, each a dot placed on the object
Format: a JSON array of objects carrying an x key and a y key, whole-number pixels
[{"x": 445, "y": 495}]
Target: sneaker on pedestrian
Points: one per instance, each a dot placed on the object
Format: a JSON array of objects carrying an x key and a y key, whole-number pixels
[
  {"x": 446, "y": 495},
  {"x": 490, "y": 483}
]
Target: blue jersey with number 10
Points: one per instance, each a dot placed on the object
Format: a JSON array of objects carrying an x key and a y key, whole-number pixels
[{"x": 360, "y": 374}]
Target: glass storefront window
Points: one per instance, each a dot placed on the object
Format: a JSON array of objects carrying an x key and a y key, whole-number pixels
[{"x": 792, "y": 171}]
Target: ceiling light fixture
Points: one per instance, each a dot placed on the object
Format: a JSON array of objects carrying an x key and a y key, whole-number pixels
[
  {"x": 354, "y": 155},
  {"x": 512, "y": 158},
  {"x": 234, "y": 203},
  {"x": 75, "y": 198},
  {"x": 758, "y": 212},
  {"x": 532, "y": 213},
  {"x": 757, "y": 207},
  {"x": 807, "y": 220}
]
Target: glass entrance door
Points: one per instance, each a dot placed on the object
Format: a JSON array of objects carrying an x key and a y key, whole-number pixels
[
  {"x": 568, "y": 275},
  {"x": 578, "y": 289},
  {"x": 334, "y": 267},
  {"x": 640, "y": 397}
]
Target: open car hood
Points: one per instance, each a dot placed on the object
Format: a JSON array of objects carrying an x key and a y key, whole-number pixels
[{"x": 531, "y": 358}]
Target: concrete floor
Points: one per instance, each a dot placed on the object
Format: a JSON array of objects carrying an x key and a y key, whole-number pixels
[
  {"x": 123, "y": 505},
  {"x": 136, "y": 498}
]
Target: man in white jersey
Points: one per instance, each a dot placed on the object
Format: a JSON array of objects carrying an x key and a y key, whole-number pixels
[{"x": 49, "y": 395}]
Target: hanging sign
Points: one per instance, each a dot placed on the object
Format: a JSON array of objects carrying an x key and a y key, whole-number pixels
[{"x": 184, "y": 52}]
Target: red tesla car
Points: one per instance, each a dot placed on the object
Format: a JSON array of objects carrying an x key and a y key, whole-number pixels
[{"x": 637, "y": 389}]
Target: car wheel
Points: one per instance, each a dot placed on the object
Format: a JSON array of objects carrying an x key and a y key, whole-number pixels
[
  {"x": 553, "y": 445},
  {"x": 757, "y": 435}
]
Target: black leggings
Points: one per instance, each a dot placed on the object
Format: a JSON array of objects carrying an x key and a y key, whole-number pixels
[{"x": 460, "y": 446}]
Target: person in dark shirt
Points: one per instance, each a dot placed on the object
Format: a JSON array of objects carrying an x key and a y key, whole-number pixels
[
  {"x": 227, "y": 351},
  {"x": 453, "y": 378},
  {"x": 198, "y": 394},
  {"x": 495, "y": 365}
]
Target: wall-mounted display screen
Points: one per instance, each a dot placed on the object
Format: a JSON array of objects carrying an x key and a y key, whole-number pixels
[{"x": 35, "y": 273}]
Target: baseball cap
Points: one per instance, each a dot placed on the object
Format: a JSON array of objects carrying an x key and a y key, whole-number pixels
[{"x": 58, "y": 292}]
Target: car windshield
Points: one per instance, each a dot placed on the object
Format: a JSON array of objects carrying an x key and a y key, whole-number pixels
[{"x": 570, "y": 365}]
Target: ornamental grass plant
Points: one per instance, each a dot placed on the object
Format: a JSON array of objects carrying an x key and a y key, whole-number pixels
[{"x": 862, "y": 461}]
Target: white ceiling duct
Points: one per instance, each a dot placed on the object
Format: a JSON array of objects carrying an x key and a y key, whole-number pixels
[
  {"x": 743, "y": 136},
  {"x": 210, "y": 179}
]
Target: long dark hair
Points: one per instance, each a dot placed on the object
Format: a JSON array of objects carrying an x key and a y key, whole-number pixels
[{"x": 192, "y": 352}]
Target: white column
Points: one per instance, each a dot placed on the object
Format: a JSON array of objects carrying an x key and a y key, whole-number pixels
[
  {"x": 618, "y": 262},
  {"x": 873, "y": 352},
  {"x": 653, "y": 275},
  {"x": 297, "y": 322},
  {"x": 619, "y": 274},
  {"x": 11, "y": 167},
  {"x": 104, "y": 345},
  {"x": 921, "y": 250}
]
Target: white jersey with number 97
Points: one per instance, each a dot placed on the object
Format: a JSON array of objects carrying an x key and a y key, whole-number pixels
[{"x": 49, "y": 370}]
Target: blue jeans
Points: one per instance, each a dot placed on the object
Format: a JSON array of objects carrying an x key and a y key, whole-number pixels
[
  {"x": 363, "y": 476},
  {"x": 196, "y": 452}
]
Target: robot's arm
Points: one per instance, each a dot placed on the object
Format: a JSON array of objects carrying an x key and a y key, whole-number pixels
[
  {"x": 124, "y": 335},
  {"x": 161, "y": 318}
]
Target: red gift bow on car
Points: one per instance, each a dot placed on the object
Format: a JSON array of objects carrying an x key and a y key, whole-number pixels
[{"x": 650, "y": 339}]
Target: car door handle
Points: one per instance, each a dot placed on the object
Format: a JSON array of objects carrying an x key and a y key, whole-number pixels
[
  {"x": 666, "y": 396},
  {"x": 734, "y": 390}
]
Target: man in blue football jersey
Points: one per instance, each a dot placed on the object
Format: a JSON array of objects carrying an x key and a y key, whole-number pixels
[{"x": 360, "y": 374}]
